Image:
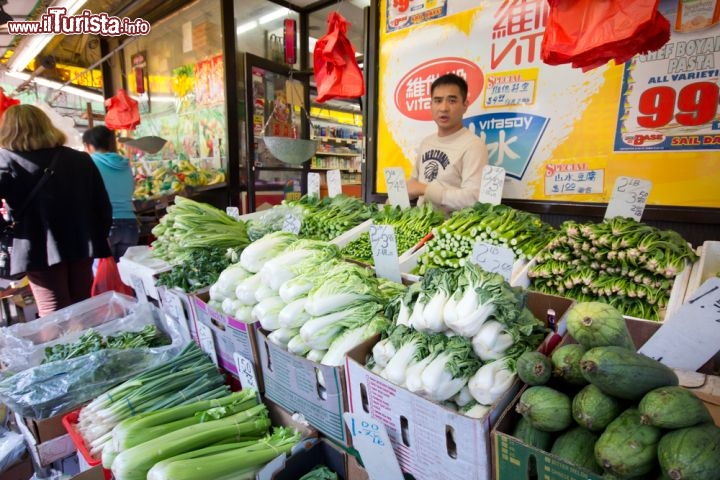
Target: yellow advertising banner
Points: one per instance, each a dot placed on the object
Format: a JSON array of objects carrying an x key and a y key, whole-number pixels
[{"x": 561, "y": 134}]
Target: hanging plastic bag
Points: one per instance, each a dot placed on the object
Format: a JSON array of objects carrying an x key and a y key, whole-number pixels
[
  {"x": 337, "y": 73},
  {"x": 122, "y": 112},
  {"x": 6, "y": 102},
  {"x": 107, "y": 278},
  {"x": 588, "y": 33}
]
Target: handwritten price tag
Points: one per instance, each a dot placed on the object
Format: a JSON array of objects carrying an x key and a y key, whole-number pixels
[
  {"x": 384, "y": 250},
  {"x": 139, "y": 287},
  {"x": 291, "y": 224},
  {"x": 234, "y": 212},
  {"x": 246, "y": 372},
  {"x": 175, "y": 307},
  {"x": 371, "y": 439},
  {"x": 397, "y": 187},
  {"x": 690, "y": 337},
  {"x": 493, "y": 258},
  {"x": 491, "y": 186},
  {"x": 206, "y": 341},
  {"x": 628, "y": 198},
  {"x": 334, "y": 183},
  {"x": 313, "y": 184}
]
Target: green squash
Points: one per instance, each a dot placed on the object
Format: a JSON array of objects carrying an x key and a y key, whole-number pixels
[
  {"x": 545, "y": 408},
  {"x": 566, "y": 363},
  {"x": 628, "y": 448},
  {"x": 597, "y": 324},
  {"x": 577, "y": 446},
  {"x": 594, "y": 409},
  {"x": 533, "y": 368},
  {"x": 673, "y": 407},
  {"x": 691, "y": 453}
]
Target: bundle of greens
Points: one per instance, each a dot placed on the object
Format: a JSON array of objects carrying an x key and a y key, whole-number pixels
[
  {"x": 325, "y": 219},
  {"x": 92, "y": 341},
  {"x": 189, "y": 227},
  {"x": 620, "y": 261},
  {"x": 410, "y": 225},
  {"x": 198, "y": 268},
  {"x": 524, "y": 233}
]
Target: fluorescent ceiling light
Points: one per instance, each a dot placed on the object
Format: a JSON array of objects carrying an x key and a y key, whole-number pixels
[
  {"x": 246, "y": 27},
  {"x": 279, "y": 13},
  {"x": 31, "y": 46},
  {"x": 96, "y": 97}
]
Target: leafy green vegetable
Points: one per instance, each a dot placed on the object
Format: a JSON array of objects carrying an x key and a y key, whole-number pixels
[{"x": 320, "y": 472}]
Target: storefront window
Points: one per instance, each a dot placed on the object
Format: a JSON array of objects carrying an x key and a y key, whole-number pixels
[{"x": 259, "y": 28}]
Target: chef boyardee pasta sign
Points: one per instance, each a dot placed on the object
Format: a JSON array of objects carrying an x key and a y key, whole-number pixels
[{"x": 561, "y": 134}]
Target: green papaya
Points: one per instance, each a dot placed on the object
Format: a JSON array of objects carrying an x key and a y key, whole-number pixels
[
  {"x": 533, "y": 368},
  {"x": 545, "y": 408},
  {"x": 628, "y": 448},
  {"x": 691, "y": 453},
  {"x": 577, "y": 446},
  {"x": 532, "y": 436},
  {"x": 566, "y": 363},
  {"x": 623, "y": 373},
  {"x": 672, "y": 407},
  {"x": 597, "y": 324},
  {"x": 594, "y": 409}
]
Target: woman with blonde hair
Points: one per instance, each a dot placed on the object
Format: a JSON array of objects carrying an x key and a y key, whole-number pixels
[{"x": 65, "y": 224}]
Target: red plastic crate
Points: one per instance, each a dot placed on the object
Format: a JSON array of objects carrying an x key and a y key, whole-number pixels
[{"x": 69, "y": 421}]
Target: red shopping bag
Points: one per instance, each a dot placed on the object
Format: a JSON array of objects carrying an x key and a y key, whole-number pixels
[
  {"x": 122, "y": 112},
  {"x": 6, "y": 102},
  {"x": 337, "y": 73},
  {"x": 107, "y": 278}
]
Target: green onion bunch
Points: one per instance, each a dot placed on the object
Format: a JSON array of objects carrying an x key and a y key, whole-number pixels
[
  {"x": 524, "y": 233},
  {"x": 625, "y": 263},
  {"x": 410, "y": 226},
  {"x": 327, "y": 218}
]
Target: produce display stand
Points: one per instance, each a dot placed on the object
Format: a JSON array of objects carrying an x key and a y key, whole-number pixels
[
  {"x": 513, "y": 458},
  {"x": 430, "y": 440},
  {"x": 138, "y": 263},
  {"x": 706, "y": 267}
]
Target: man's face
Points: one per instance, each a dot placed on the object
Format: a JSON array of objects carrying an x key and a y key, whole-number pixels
[{"x": 448, "y": 108}]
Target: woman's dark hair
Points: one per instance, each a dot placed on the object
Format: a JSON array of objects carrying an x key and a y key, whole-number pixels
[
  {"x": 451, "y": 79},
  {"x": 101, "y": 138}
]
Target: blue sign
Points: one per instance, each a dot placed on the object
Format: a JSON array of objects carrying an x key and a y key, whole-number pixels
[{"x": 511, "y": 138}]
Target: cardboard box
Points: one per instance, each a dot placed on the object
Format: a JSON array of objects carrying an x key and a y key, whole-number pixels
[
  {"x": 44, "y": 453},
  {"x": 292, "y": 382},
  {"x": 321, "y": 452},
  {"x": 228, "y": 335},
  {"x": 514, "y": 459},
  {"x": 23, "y": 470},
  {"x": 433, "y": 442},
  {"x": 94, "y": 473},
  {"x": 45, "y": 429}
]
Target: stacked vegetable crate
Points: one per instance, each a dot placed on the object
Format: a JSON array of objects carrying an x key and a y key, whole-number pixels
[{"x": 529, "y": 446}]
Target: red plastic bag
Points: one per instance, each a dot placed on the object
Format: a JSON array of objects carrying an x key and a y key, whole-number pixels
[
  {"x": 589, "y": 33},
  {"x": 6, "y": 102},
  {"x": 122, "y": 112},
  {"x": 107, "y": 278},
  {"x": 337, "y": 73}
]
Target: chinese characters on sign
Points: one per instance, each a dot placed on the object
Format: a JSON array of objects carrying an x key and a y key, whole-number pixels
[{"x": 573, "y": 179}]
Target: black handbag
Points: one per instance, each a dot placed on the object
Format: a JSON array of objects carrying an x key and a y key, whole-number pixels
[{"x": 8, "y": 226}]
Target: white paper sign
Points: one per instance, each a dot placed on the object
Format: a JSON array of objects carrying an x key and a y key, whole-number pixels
[
  {"x": 628, "y": 198},
  {"x": 370, "y": 438},
  {"x": 397, "y": 187},
  {"x": 334, "y": 183},
  {"x": 493, "y": 258},
  {"x": 246, "y": 372},
  {"x": 384, "y": 251},
  {"x": 139, "y": 287},
  {"x": 491, "y": 186},
  {"x": 313, "y": 180},
  {"x": 206, "y": 340},
  {"x": 291, "y": 224},
  {"x": 175, "y": 307},
  {"x": 234, "y": 212},
  {"x": 691, "y": 335}
]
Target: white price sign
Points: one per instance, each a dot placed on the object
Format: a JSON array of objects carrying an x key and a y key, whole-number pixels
[
  {"x": 628, "y": 198},
  {"x": 313, "y": 180},
  {"x": 206, "y": 341},
  {"x": 371, "y": 439},
  {"x": 334, "y": 183},
  {"x": 291, "y": 224},
  {"x": 246, "y": 372},
  {"x": 690, "y": 337},
  {"x": 175, "y": 307},
  {"x": 234, "y": 212},
  {"x": 493, "y": 258},
  {"x": 491, "y": 185},
  {"x": 139, "y": 287},
  {"x": 384, "y": 251},
  {"x": 397, "y": 187}
]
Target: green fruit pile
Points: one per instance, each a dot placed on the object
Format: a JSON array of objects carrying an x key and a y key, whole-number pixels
[{"x": 603, "y": 407}]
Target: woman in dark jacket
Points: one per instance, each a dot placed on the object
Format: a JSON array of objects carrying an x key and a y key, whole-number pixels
[{"x": 66, "y": 223}]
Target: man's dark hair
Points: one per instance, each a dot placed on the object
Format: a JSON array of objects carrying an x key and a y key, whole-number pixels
[
  {"x": 451, "y": 79},
  {"x": 102, "y": 138}
]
